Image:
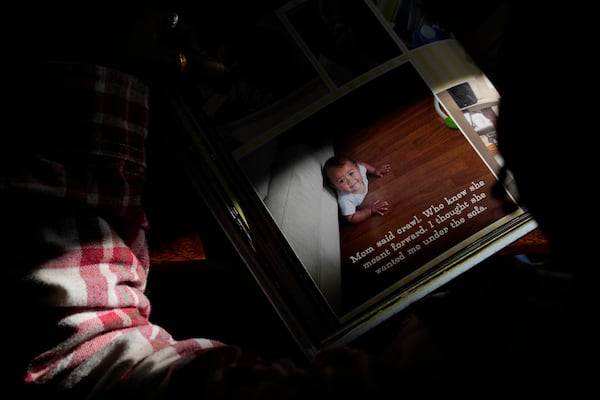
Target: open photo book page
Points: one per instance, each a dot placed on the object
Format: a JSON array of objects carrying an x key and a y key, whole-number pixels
[
  {"x": 442, "y": 192},
  {"x": 414, "y": 195}
]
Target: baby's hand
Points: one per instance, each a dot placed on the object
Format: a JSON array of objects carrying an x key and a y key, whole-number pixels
[
  {"x": 383, "y": 169},
  {"x": 379, "y": 207}
]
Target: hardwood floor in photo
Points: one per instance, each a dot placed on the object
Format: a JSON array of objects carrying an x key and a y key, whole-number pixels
[{"x": 439, "y": 192}]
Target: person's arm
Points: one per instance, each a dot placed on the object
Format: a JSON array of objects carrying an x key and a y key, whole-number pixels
[
  {"x": 377, "y": 171},
  {"x": 366, "y": 211},
  {"x": 72, "y": 199}
]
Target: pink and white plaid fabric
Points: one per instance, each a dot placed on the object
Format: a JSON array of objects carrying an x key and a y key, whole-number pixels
[{"x": 74, "y": 186}]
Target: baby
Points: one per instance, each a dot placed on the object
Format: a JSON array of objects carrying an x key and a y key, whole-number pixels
[{"x": 349, "y": 178}]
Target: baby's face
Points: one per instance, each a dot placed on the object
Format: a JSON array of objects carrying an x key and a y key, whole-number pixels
[{"x": 347, "y": 178}]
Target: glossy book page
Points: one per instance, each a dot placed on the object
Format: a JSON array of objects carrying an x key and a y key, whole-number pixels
[{"x": 410, "y": 99}]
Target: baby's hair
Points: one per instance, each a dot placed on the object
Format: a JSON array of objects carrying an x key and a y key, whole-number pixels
[{"x": 334, "y": 162}]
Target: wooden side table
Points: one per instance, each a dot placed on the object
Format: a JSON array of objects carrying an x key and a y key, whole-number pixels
[{"x": 535, "y": 242}]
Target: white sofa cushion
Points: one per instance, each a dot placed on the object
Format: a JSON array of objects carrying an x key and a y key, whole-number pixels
[{"x": 306, "y": 212}]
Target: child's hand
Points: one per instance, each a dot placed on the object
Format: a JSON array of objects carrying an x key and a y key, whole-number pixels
[
  {"x": 379, "y": 207},
  {"x": 382, "y": 169}
]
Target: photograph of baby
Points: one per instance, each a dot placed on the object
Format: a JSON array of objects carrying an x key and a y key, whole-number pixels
[
  {"x": 350, "y": 179},
  {"x": 372, "y": 201}
]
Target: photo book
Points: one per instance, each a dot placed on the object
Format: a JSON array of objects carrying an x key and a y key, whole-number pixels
[{"x": 378, "y": 84}]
